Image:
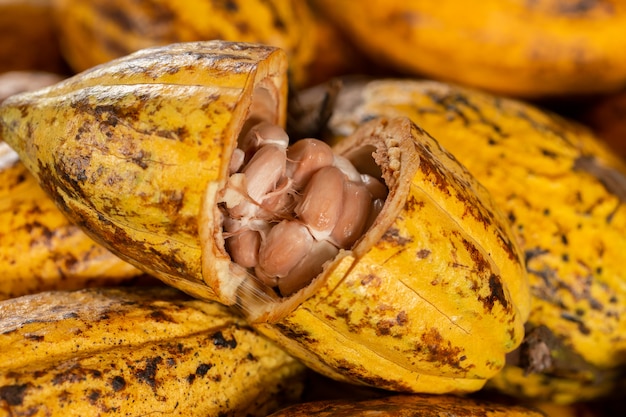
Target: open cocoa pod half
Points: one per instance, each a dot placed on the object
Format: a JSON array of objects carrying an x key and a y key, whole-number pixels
[{"x": 380, "y": 262}]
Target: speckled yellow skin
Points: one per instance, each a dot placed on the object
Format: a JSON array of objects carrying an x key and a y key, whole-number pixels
[
  {"x": 570, "y": 220},
  {"x": 126, "y": 149},
  {"x": 135, "y": 352},
  {"x": 40, "y": 249},
  {"x": 409, "y": 406},
  {"x": 93, "y": 32},
  {"x": 527, "y": 49},
  {"x": 434, "y": 294}
]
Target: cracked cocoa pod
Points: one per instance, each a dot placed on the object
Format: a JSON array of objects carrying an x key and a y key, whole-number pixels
[
  {"x": 563, "y": 191},
  {"x": 380, "y": 262},
  {"x": 135, "y": 351}
]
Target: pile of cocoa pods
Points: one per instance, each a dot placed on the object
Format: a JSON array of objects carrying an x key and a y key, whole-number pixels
[{"x": 286, "y": 208}]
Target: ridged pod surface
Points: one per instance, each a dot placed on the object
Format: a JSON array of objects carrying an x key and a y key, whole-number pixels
[
  {"x": 93, "y": 32},
  {"x": 563, "y": 193},
  {"x": 522, "y": 48},
  {"x": 39, "y": 249},
  {"x": 409, "y": 406},
  {"x": 138, "y": 152},
  {"x": 126, "y": 150},
  {"x": 134, "y": 352}
]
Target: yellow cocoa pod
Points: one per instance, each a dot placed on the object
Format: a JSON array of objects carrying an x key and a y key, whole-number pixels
[
  {"x": 146, "y": 153},
  {"x": 95, "y": 31},
  {"x": 29, "y": 39},
  {"x": 40, "y": 250},
  {"x": 526, "y": 49},
  {"x": 562, "y": 190},
  {"x": 136, "y": 351},
  {"x": 409, "y": 406}
]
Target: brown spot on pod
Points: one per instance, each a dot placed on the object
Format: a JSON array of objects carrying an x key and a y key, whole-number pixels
[
  {"x": 221, "y": 342},
  {"x": 13, "y": 394},
  {"x": 148, "y": 374},
  {"x": 118, "y": 383}
]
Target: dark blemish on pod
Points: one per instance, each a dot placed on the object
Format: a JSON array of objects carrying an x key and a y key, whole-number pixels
[
  {"x": 295, "y": 333},
  {"x": 423, "y": 253},
  {"x": 13, "y": 394},
  {"x": 549, "y": 153},
  {"x": 359, "y": 373},
  {"x": 439, "y": 350},
  {"x": 411, "y": 204},
  {"x": 371, "y": 279},
  {"x": 497, "y": 293},
  {"x": 221, "y": 342},
  {"x": 402, "y": 318},
  {"x": 203, "y": 368},
  {"x": 118, "y": 383},
  {"x": 392, "y": 235},
  {"x": 72, "y": 375},
  {"x": 148, "y": 374},
  {"x": 581, "y": 8},
  {"x": 160, "y": 316},
  {"x": 34, "y": 337},
  {"x": 231, "y": 6},
  {"x": 93, "y": 396}
]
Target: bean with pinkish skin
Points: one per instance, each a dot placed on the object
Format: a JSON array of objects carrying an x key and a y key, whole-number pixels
[
  {"x": 305, "y": 157},
  {"x": 244, "y": 247},
  {"x": 309, "y": 267},
  {"x": 283, "y": 247},
  {"x": 289, "y": 209},
  {"x": 280, "y": 202},
  {"x": 377, "y": 189},
  {"x": 347, "y": 168},
  {"x": 236, "y": 161},
  {"x": 356, "y": 202},
  {"x": 320, "y": 208},
  {"x": 264, "y": 170},
  {"x": 262, "y": 134}
]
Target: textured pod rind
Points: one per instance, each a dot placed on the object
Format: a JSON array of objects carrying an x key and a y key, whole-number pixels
[
  {"x": 135, "y": 351},
  {"x": 553, "y": 48},
  {"x": 409, "y": 406},
  {"x": 563, "y": 193},
  {"x": 97, "y": 31},
  {"x": 418, "y": 304},
  {"x": 126, "y": 148},
  {"x": 40, "y": 249}
]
